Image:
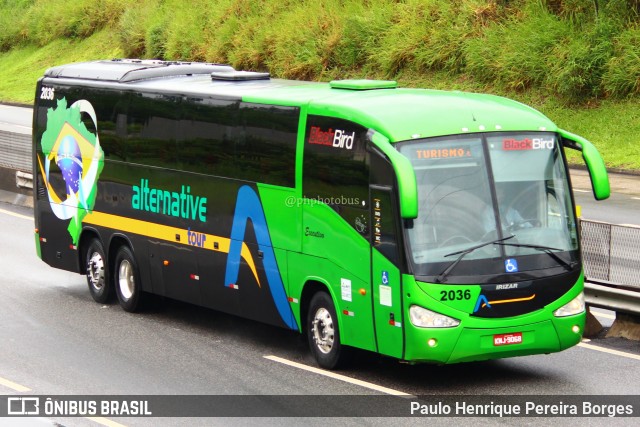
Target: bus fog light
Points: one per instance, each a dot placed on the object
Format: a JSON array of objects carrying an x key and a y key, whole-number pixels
[
  {"x": 432, "y": 342},
  {"x": 576, "y": 329},
  {"x": 575, "y": 306},
  {"x": 424, "y": 318}
]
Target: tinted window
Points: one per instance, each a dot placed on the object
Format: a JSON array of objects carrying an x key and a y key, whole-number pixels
[
  {"x": 266, "y": 144},
  {"x": 336, "y": 168},
  {"x": 151, "y": 130},
  {"x": 112, "y": 121},
  {"x": 384, "y": 227},
  {"x": 245, "y": 141},
  {"x": 208, "y": 129}
]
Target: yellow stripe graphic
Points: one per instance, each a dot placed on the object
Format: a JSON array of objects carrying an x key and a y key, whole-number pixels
[
  {"x": 505, "y": 301},
  {"x": 165, "y": 232}
]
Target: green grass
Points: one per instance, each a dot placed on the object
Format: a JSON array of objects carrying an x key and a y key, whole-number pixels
[
  {"x": 20, "y": 68},
  {"x": 613, "y": 126},
  {"x": 578, "y": 61}
]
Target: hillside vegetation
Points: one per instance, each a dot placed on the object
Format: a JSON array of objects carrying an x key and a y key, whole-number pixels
[{"x": 576, "y": 60}]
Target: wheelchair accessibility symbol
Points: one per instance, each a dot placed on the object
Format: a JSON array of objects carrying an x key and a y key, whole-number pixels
[
  {"x": 511, "y": 265},
  {"x": 385, "y": 277}
]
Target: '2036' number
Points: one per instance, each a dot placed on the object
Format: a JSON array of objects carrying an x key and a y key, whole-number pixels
[
  {"x": 47, "y": 92},
  {"x": 455, "y": 295}
]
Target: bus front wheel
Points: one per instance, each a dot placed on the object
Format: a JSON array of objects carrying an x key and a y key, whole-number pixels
[
  {"x": 323, "y": 332},
  {"x": 127, "y": 280},
  {"x": 99, "y": 286}
]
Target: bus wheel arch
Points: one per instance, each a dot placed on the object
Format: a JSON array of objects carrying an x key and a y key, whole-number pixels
[
  {"x": 321, "y": 325},
  {"x": 93, "y": 262},
  {"x": 126, "y": 274}
]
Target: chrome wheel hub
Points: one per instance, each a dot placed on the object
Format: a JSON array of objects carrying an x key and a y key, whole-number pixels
[
  {"x": 126, "y": 281},
  {"x": 95, "y": 271},
  {"x": 322, "y": 330}
]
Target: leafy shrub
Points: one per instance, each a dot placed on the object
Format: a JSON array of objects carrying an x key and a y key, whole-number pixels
[
  {"x": 622, "y": 76},
  {"x": 576, "y": 49}
]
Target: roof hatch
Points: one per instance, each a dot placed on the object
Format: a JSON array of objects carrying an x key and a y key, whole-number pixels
[
  {"x": 239, "y": 76},
  {"x": 363, "y": 84}
]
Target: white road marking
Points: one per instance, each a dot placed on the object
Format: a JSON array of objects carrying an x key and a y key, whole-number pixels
[
  {"x": 105, "y": 422},
  {"x": 581, "y": 191},
  {"x": 17, "y": 215},
  {"x": 337, "y": 376},
  {"x": 21, "y": 389},
  {"x": 603, "y": 315},
  {"x": 13, "y": 386},
  {"x": 607, "y": 350}
]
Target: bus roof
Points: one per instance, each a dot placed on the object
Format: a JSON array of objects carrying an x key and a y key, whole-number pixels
[{"x": 399, "y": 114}]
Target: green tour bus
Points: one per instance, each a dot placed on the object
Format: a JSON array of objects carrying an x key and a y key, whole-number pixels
[{"x": 425, "y": 225}]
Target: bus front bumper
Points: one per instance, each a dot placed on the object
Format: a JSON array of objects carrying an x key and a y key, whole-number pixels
[{"x": 466, "y": 344}]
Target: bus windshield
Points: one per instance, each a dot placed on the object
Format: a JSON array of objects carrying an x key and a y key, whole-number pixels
[{"x": 491, "y": 205}]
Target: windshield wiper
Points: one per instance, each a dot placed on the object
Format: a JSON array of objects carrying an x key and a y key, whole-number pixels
[
  {"x": 465, "y": 252},
  {"x": 546, "y": 249}
]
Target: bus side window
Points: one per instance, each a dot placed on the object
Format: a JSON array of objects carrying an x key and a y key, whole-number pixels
[
  {"x": 384, "y": 212},
  {"x": 252, "y": 142},
  {"x": 336, "y": 169},
  {"x": 206, "y": 135},
  {"x": 265, "y": 150},
  {"x": 112, "y": 121},
  {"x": 152, "y": 122}
]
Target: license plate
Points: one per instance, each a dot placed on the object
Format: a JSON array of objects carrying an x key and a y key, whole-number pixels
[{"x": 507, "y": 339}]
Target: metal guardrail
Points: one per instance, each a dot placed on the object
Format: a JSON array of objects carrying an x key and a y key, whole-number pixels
[
  {"x": 15, "y": 150},
  {"x": 606, "y": 295},
  {"x": 611, "y": 253}
]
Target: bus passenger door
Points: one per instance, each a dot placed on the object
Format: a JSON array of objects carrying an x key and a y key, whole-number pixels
[{"x": 386, "y": 279}]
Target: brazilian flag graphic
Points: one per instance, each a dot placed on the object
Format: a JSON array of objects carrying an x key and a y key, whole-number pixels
[{"x": 76, "y": 151}]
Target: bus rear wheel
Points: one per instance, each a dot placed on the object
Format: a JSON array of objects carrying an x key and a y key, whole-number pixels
[
  {"x": 99, "y": 286},
  {"x": 127, "y": 280},
  {"x": 323, "y": 333}
]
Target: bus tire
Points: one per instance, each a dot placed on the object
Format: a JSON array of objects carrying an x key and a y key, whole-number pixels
[
  {"x": 97, "y": 273},
  {"x": 323, "y": 333},
  {"x": 127, "y": 280}
]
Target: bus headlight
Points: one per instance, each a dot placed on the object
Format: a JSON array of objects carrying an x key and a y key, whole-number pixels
[
  {"x": 575, "y": 306},
  {"x": 424, "y": 318}
]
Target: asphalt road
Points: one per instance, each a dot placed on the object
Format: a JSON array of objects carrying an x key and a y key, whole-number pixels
[
  {"x": 15, "y": 119},
  {"x": 55, "y": 340},
  {"x": 622, "y": 207}
]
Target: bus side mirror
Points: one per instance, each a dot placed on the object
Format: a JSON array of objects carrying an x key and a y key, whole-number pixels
[
  {"x": 594, "y": 162},
  {"x": 405, "y": 175}
]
